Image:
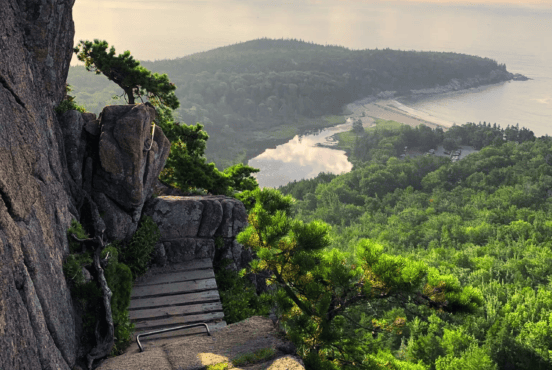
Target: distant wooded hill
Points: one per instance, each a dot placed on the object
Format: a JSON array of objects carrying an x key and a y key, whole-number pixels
[{"x": 253, "y": 94}]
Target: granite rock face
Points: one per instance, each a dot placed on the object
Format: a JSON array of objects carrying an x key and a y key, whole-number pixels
[
  {"x": 199, "y": 352},
  {"x": 115, "y": 160},
  {"x": 129, "y": 161},
  {"x": 37, "y": 320},
  {"x": 191, "y": 226}
]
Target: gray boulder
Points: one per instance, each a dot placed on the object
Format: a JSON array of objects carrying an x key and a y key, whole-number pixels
[
  {"x": 127, "y": 167},
  {"x": 189, "y": 226}
]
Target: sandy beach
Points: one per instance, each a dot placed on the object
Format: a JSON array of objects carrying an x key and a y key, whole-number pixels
[{"x": 391, "y": 109}]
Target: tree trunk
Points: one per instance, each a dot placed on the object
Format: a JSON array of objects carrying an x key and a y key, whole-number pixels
[
  {"x": 105, "y": 342},
  {"x": 130, "y": 95}
]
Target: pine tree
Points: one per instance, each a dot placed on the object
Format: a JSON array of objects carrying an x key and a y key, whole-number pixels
[
  {"x": 125, "y": 71},
  {"x": 318, "y": 292}
]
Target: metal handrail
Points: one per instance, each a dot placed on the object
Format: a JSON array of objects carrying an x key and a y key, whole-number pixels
[{"x": 167, "y": 330}]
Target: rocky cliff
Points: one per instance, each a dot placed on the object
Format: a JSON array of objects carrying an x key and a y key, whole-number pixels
[{"x": 37, "y": 321}]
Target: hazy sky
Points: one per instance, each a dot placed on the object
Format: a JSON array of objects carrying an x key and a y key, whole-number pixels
[
  {"x": 164, "y": 29},
  {"x": 517, "y": 2}
]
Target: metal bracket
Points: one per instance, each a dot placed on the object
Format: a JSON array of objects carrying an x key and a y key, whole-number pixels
[{"x": 165, "y": 331}]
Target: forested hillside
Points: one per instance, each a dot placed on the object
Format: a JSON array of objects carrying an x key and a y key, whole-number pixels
[
  {"x": 257, "y": 93},
  {"x": 484, "y": 219}
]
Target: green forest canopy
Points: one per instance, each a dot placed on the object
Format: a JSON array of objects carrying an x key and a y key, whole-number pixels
[{"x": 484, "y": 219}]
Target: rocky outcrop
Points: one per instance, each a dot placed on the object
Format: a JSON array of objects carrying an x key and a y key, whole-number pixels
[
  {"x": 115, "y": 160},
  {"x": 221, "y": 220},
  {"x": 495, "y": 76},
  {"x": 195, "y": 227},
  {"x": 37, "y": 321},
  {"x": 455, "y": 84},
  {"x": 217, "y": 350}
]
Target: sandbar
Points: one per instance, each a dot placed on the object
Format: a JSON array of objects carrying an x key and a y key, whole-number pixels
[{"x": 391, "y": 109}]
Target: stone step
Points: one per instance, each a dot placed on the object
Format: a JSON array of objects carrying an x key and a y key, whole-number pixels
[{"x": 176, "y": 295}]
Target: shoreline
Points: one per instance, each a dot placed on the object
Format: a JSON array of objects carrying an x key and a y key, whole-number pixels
[
  {"x": 393, "y": 110},
  {"x": 386, "y": 105}
]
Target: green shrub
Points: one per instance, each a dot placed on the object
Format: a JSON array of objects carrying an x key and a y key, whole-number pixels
[
  {"x": 239, "y": 298},
  {"x": 113, "y": 252},
  {"x": 77, "y": 229},
  {"x": 90, "y": 296},
  {"x": 123, "y": 265},
  {"x": 72, "y": 268},
  {"x": 69, "y": 103},
  {"x": 220, "y": 366},
  {"x": 137, "y": 254},
  {"x": 86, "y": 292},
  {"x": 219, "y": 242},
  {"x": 119, "y": 280}
]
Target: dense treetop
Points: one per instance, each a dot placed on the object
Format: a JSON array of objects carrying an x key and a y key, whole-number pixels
[{"x": 483, "y": 219}]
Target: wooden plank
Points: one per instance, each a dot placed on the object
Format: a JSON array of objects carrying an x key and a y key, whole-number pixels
[
  {"x": 136, "y": 315},
  {"x": 174, "y": 288},
  {"x": 204, "y": 263},
  {"x": 193, "y": 264},
  {"x": 178, "y": 320},
  {"x": 174, "y": 277},
  {"x": 184, "y": 332},
  {"x": 173, "y": 300}
]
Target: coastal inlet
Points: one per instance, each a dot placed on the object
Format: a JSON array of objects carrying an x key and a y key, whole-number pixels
[{"x": 305, "y": 156}]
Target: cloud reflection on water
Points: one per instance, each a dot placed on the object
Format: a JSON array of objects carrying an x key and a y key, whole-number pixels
[{"x": 299, "y": 159}]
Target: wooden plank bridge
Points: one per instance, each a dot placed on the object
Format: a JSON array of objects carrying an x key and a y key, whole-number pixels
[{"x": 176, "y": 295}]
